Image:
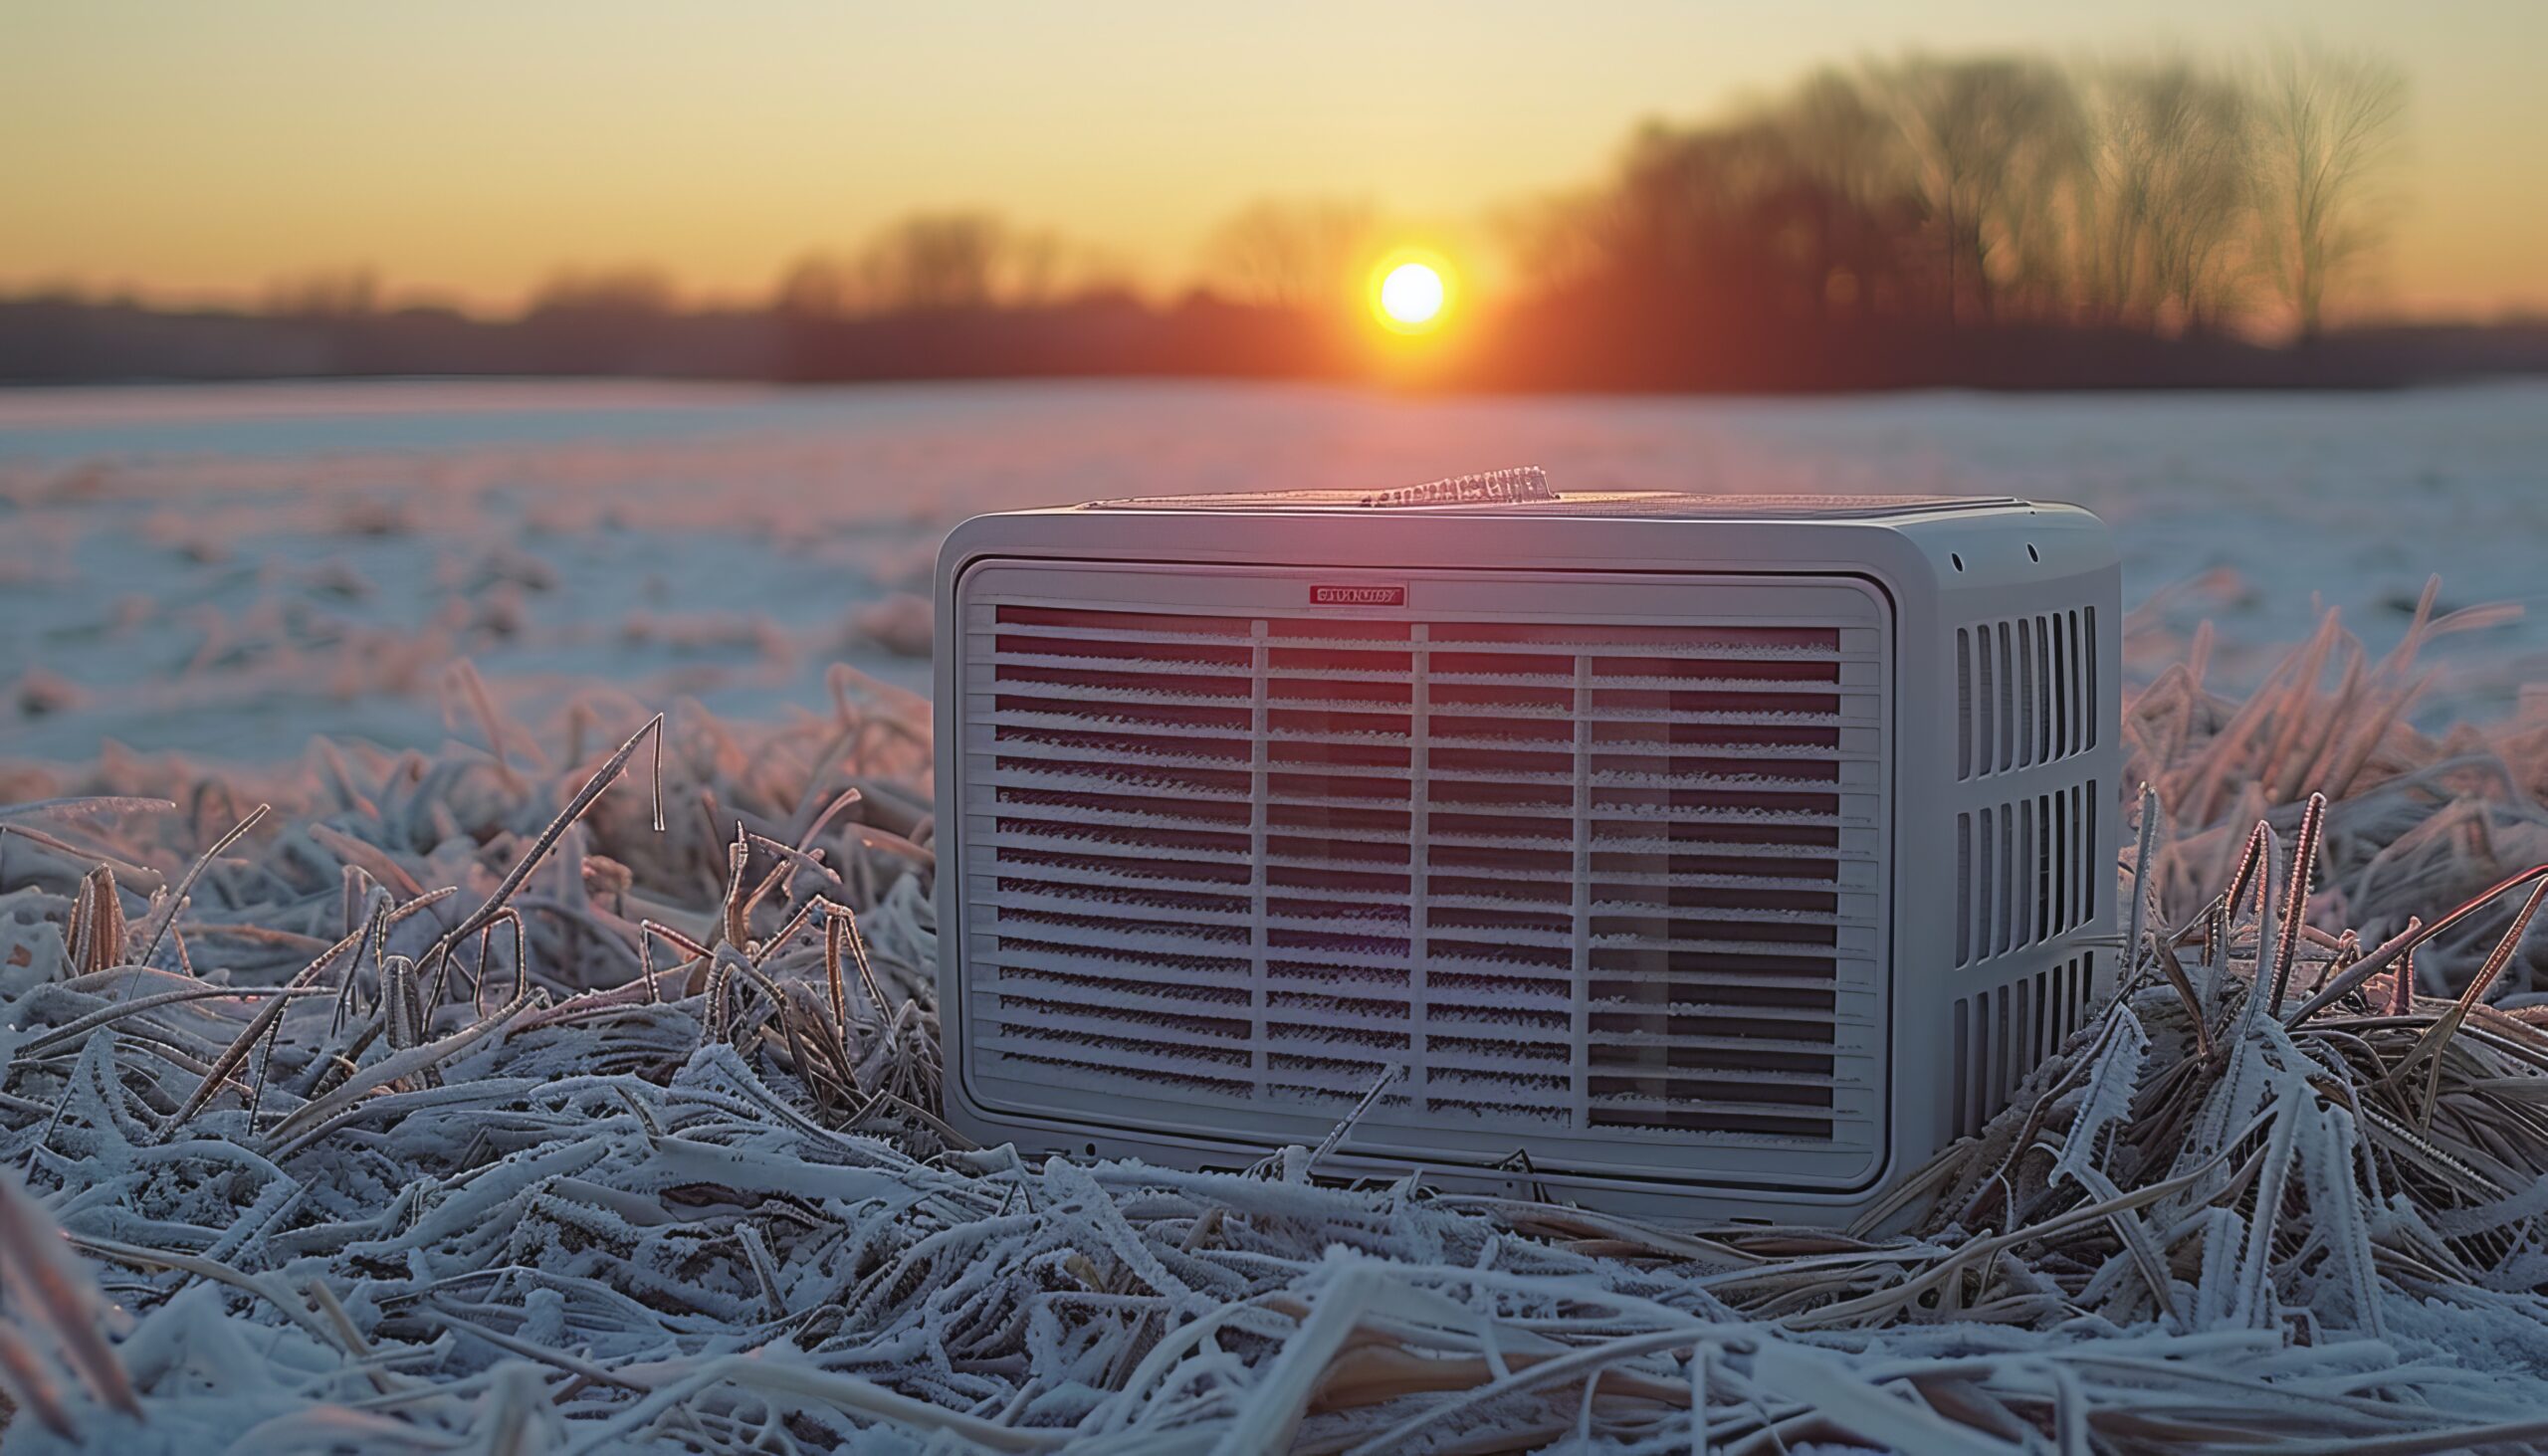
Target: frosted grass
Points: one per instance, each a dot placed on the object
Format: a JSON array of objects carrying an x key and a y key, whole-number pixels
[{"x": 456, "y": 1106}]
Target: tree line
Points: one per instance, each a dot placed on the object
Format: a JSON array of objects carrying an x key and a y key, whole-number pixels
[
  {"x": 2166, "y": 196},
  {"x": 1988, "y": 219}
]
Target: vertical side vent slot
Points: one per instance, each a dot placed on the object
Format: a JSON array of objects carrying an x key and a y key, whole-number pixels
[
  {"x": 2084, "y": 673},
  {"x": 2007, "y": 715},
  {"x": 2003, "y": 1034},
  {"x": 1964, "y": 868},
  {"x": 2031, "y": 685},
  {"x": 1967, "y": 1119},
  {"x": 2025, "y": 692},
  {"x": 2027, "y": 872},
  {"x": 1965, "y": 722}
]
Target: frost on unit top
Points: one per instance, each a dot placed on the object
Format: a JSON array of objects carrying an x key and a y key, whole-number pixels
[{"x": 1526, "y": 491}]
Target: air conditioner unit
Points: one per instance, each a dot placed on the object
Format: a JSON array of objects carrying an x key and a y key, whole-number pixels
[{"x": 1697, "y": 854}]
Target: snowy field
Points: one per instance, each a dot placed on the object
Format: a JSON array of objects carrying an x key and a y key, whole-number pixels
[{"x": 227, "y": 570}]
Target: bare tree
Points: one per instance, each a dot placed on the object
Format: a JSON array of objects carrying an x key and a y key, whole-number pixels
[
  {"x": 2163, "y": 233},
  {"x": 817, "y": 286},
  {"x": 1837, "y": 133},
  {"x": 351, "y": 293},
  {"x": 1290, "y": 254},
  {"x": 1992, "y": 140},
  {"x": 634, "y": 291},
  {"x": 1557, "y": 242},
  {"x": 1855, "y": 192},
  {"x": 2329, "y": 124},
  {"x": 942, "y": 261},
  {"x": 932, "y": 261}
]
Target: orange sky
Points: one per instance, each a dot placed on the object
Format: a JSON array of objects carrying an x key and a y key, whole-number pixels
[{"x": 470, "y": 147}]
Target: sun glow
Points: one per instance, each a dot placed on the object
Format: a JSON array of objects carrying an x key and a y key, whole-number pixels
[{"x": 1410, "y": 293}]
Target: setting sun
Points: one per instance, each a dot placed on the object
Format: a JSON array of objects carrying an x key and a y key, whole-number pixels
[
  {"x": 1411, "y": 290},
  {"x": 1411, "y": 293}
]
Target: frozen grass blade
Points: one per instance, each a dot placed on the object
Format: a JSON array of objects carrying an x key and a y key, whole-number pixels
[
  {"x": 50, "y": 1290},
  {"x": 2295, "y": 901},
  {"x": 528, "y": 860},
  {"x": 187, "y": 886}
]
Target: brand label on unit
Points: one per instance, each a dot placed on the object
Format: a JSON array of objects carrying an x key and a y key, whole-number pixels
[{"x": 1357, "y": 596}]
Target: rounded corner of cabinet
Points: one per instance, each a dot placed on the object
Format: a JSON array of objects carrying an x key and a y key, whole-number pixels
[
  {"x": 1897, "y": 568},
  {"x": 963, "y": 1109},
  {"x": 957, "y": 553},
  {"x": 1877, "y": 1175}
]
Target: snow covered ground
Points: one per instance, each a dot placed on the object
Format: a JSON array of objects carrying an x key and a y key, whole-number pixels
[{"x": 226, "y": 570}]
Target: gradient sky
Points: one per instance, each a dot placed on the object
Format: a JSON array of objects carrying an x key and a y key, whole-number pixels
[{"x": 471, "y": 147}]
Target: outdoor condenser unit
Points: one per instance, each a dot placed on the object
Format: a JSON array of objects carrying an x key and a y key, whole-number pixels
[{"x": 1698, "y": 855}]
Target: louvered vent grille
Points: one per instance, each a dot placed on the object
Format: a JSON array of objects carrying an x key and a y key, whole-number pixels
[
  {"x": 1598, "y": 888},
  {"x": 2027, "y": 870},
  {"x": 2004, "y": 1033},
  {"x": 2026, "y": 691}
]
